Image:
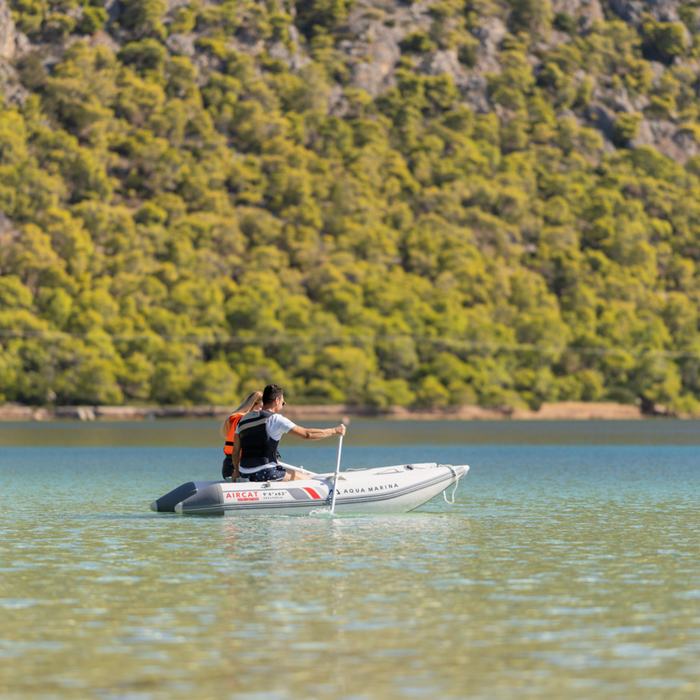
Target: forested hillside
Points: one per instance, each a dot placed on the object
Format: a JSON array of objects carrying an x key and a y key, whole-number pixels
[{"x": 456, "y": 202}]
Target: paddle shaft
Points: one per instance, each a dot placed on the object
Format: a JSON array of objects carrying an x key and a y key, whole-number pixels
[{"x": 337, "y": 471}]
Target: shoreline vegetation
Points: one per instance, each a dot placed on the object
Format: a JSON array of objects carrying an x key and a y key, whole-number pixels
[{"x": 565, "y": 410}]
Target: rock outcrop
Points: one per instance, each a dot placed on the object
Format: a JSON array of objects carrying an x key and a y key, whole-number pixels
[
  {"x": 490, "y": 34},
  {"x": 667, "y": 138},
  {"x": 601, "y": 118},
  {"x": 632, "y": 10},
  {"x": 664, "y": 10},
  {"x": 586, "y": 12},
  {"x": 374, "y": 49},
  {"x": 628, "y": 10},
  {"x": 8, "y": 33},
  {"x": 12, "y": 43}
]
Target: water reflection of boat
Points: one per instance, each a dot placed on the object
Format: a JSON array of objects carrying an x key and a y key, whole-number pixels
[{"x": 392, "y": 489}]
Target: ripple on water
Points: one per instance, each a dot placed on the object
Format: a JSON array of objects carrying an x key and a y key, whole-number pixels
[{"x": 560, "y": 571}]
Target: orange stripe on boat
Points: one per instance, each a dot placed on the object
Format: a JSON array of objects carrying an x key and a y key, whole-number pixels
[{"x": 311, "y": 492}]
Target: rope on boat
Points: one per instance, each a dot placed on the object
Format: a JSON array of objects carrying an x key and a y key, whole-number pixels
[{"x": 454, "y": 490}]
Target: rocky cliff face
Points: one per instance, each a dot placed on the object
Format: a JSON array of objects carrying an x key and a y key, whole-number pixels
[{"x": 376, "y": 37}]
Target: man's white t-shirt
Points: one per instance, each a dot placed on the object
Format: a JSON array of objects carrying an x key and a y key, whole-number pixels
[{"x": 276, "y": 427}]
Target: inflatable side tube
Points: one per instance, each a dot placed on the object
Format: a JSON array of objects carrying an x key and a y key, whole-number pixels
[
  {"x": 167, "y": 503},
  {"x": 208, "y": 501}
]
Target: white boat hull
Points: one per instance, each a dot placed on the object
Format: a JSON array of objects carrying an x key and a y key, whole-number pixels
[{"x": 394, "y": 489}]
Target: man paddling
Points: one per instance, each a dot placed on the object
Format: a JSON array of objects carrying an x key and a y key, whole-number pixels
[{"x": 258, "y": 436}]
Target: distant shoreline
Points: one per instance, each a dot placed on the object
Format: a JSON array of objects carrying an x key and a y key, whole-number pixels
[{"x": 566, "y": 410}]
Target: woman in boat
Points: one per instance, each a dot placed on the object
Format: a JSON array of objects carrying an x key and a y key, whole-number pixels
[{"x": 252, "y": 402}]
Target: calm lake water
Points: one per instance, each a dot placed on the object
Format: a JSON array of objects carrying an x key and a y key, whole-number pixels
[{"x": 568, "y": 567}]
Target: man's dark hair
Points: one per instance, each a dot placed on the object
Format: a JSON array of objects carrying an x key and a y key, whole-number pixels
[{"x": 272, "y": 392}]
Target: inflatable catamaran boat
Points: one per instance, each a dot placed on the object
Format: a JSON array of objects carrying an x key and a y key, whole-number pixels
[{"x": 393, "y": 489}]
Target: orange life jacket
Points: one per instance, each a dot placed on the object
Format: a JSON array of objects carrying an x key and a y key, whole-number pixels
[{"x": 228, "y": 445}]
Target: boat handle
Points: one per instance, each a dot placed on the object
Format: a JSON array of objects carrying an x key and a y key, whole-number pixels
[{"x": 454, "y": 490}]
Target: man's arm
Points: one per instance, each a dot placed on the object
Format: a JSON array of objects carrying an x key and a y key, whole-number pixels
[
  {"x": 236, "y": 456},
  {"x": 316, "y": 433}
]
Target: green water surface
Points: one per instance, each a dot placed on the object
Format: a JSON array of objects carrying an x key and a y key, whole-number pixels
[{"x": 568, "y": 567}]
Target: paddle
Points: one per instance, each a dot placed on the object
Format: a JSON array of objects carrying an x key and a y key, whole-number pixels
[{"x": 337, "y": 471}]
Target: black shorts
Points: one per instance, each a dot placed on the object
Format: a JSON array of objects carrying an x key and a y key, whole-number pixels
[
  {"x": 271, "y": 474},
  {"x": 227, "y": 467}
]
